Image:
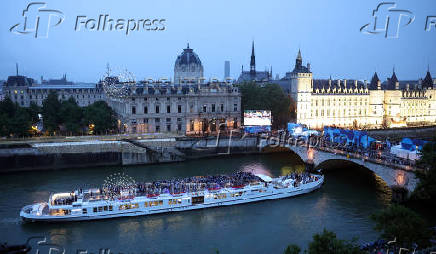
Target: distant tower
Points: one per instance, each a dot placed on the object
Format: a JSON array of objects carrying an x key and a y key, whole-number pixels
[
  {"x": 298, "y": 60},
  {"x": 253, "y": 61},
  {"x": 226, "y": 69}
]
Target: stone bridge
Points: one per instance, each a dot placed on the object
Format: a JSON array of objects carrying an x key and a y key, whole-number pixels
[{"x": 393, "y": 177}]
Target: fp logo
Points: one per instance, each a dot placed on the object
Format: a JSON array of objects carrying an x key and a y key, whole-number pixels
[
  {"x": 387, "y": 20},
  {"x": 38, "y": 20}
]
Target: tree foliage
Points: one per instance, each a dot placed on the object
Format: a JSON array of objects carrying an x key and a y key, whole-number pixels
[
  {"x": 292, "y": 249},
  {"x": 401, "y": 223},
  {"x": 71, "y": 116},
  {"x": 425, "y": 191},
  {"x": 14, "y": 120},
  {"x": 327, "y": 243},
  {"x": 51, "y": 112},
  {"x": 267, "y": 97},
  {"x": 101, "y": 115}
]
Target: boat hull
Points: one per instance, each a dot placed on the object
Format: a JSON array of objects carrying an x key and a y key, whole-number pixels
[{"x": 275, "y": 194}]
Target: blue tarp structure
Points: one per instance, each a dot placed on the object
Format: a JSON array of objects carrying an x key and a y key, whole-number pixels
[
  {"x": 349, "y": 136},
  {"x": 257, "y": 129},
  {"x": 295, "y": 128},
  {"x": 412, "y": 144}
]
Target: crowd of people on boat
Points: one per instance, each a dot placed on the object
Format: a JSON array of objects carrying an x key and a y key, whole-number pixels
[
  {"x": 197, "y": 183},
  {"x": 65, "y": 200},
  {"x": 302, "y": 178}
]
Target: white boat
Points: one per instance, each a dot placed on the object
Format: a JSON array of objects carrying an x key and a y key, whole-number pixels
[{"x": 93, "y": 204}]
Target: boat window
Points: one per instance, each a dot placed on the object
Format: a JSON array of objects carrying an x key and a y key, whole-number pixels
[
  {"x": 100, "y": 209},
  {"x": 94, "y": 209},
  {"x": 160, "y": 202},
  {"x": 110, "y": 208},
  {"x": 105, "y": 208},
  {"x": 146, "y": 204},
  {"x": 198, "y": 200},
  {"x": 84, "y": 211}
]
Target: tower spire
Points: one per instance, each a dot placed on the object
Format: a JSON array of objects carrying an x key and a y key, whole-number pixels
[
  {"x": 253, "y": 60},
  {"x": 16, "y": 67}
]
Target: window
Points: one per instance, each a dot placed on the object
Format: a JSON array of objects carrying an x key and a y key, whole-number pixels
[
  {"x": 168, "y": 120},
  {"x": 100, "y": 209},
  {"x": 204, "y": 108},
  {"x": 191, "y": 125},
  {"x": 168, "y": 127},
  {"x": 145, "y": 110},
  {"x": 84, "y": 211},
  {"x": 157, "y": 128},
  {"x": 157, "y": 120},
  {"x": 235, "y": 107},
  {"x": 168, "y": 109},
  {"x": 222, "y": 107},
  {"x": 105, "y": 208},
  {"x": 145, "y": 120},
  {"x": 213, "y": 107},
  {"x": 179, "y": 127},
  {"x": 133, "y": 110},
  {"x": 157, "y": 109},
  {"x": 111, "y": 208},
  {"x": 94, "y": 209},
  {"x": 179, "y": 108}
]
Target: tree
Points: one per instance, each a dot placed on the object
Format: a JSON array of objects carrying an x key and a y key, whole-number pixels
[
  {"x": 401, "y": 223},
  {"x": 20, "y": 124},
  {"x": 14, "y": 120},
  {"x": 101, "y": 115},
  {"x": 267, "y": 97},
  {"x": 7, "y": 112},
  {"x": 71, "y": 116},
  {"x": 51, "y": 112},
  {"x": 327, "y": 243},
  {"x": 292, "y": 249},
  {"x": 425, "y": 191}
]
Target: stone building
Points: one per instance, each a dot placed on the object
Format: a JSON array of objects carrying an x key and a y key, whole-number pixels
[
  {"x": 185, "y": 109},
  {"x": 24, "y": 91},
  {"x": 188, "y": 67},
  {"x": 353, "y": 103}
]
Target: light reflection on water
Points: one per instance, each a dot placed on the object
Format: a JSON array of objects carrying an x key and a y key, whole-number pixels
[{"x": 343, "y": 205}]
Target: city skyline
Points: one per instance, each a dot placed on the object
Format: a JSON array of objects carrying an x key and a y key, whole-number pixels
[{"x": 336, "y": 48}]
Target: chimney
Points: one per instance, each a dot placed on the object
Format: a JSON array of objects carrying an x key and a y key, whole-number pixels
[
  {"x": 408, "y": 86},
  {"x": 397, "y": 85},
  {"x": 345, "y": 83},
  {"x": 355, "y": 83},
  {"x": 308, "y": 66},
  {"x": 378, "y": 85}
]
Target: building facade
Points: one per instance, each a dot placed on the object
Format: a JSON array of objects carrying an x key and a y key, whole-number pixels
[
  {"x": 357, "y": 104},
  {"x": 184, "y": 109},
  {"x": 24, "y": 91}
]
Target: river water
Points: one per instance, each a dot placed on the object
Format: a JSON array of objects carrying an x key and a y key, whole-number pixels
[{"x": 343, "y": 204}]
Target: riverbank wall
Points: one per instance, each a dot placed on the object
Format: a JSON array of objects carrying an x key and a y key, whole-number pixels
[{"x": 53, "y": 156}]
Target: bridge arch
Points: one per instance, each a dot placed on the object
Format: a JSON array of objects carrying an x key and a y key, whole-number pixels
[{"x": 394, "y": 178}]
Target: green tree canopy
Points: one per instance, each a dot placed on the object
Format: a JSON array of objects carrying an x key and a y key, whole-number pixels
[
  {"x": 267, "y": 97},
  {"x": 101, "y": 115},
  {"x": 327, "y": 243},
  {"x": 401, "y": 223},
  {"x": 51, "y": 112},
  {"x": 14, "y": 120},
  {"x": 292, "y": 249},
  {"x": 71, "y": 115},
  {"x": 425, "y": 191}
]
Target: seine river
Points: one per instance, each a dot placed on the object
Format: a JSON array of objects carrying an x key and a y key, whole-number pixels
[{"x": 343, "y": 204}]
